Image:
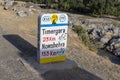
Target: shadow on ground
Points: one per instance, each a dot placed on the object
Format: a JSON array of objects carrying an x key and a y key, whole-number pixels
[
  {"x": 71, "y": 74},
  {"x": 110, "y": 56},
  {"x": 25, "y": 47},
  {"x": 50, "y": 71},
  {"x": 115, "y": 18}
]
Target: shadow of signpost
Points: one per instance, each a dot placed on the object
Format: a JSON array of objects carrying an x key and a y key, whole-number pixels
[
  {"x": 71, "y": 74},
  {"x": 67, "y": 70},
  {"x": 25, "y": 47}
]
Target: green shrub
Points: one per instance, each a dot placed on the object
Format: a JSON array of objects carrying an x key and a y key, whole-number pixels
[
  {"x": 85, "y": 38},
  {"x": 82, "y": 33}
]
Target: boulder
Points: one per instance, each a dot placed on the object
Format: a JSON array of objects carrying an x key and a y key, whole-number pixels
[
  {"x": 116, "y": 52},
  {"x": 29, "y": 11},
  {"x": 104, "y": 40},
  {"x": 116, "y": 31},
  {"x": 113, "y": 45},
  {"x": 8, "y": 4},
  {"x": 21, "y": 13}
]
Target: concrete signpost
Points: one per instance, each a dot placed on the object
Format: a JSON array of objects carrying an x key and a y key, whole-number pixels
[{"x": 52, "y": 37}]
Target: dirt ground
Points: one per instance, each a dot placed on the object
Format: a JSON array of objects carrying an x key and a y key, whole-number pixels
[{"x": 18, "y": 39}]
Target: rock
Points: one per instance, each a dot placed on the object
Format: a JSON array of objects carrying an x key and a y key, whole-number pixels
[
  {"x": 21, "y": 13},
  {"x": 98, "y": 32},
  {"x": 90, "y": 31},
  {"x": 94, "y": 34},
  {"x": 8, "y": 4},
  {"x": 92, "y": 26},
  {"x": 116, "y": 31},
  {"x": 2, "y": 3},
  {"x": 108, "y": 35},
  {"x": 113, "y": 45},
  {"x": 116, "y": 52},
  {"x": 103, "y": 32},
  {"x": 117, "y": 45},
  {"x": 16, "y": 8},
  {"x": 104, "y": 40},
  {"x": 29, "y": 11}
]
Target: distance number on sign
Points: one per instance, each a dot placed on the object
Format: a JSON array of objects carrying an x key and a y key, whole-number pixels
[{"x": 47, "y": 39}]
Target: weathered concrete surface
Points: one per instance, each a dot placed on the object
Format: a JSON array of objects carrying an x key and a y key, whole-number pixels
[{"x": 43, "y": 68}]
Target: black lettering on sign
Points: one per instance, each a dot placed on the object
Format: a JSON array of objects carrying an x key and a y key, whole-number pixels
[
  {"x": 53, "y": 45},
  {"x": 56, "y": 32}
]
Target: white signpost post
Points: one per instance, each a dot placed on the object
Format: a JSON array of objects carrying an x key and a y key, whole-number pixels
[{"x": 52, "y": 37}]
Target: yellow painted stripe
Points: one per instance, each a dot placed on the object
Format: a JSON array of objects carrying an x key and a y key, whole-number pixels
[{"x": 52, "y": 59}]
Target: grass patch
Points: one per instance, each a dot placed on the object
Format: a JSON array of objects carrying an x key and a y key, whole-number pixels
[
  {"x": 82, "y": 34},
  {"x": 116, "y": 24},
  {"x": 84, "y": 37}
]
